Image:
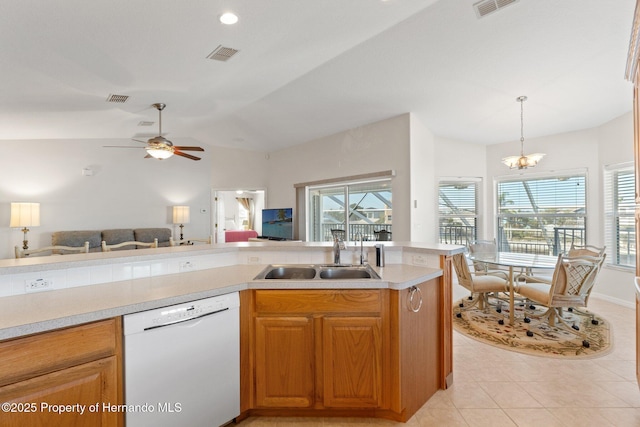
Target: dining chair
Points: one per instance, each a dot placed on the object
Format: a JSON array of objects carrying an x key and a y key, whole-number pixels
[
  {"x": 54, "y": 250},
  {"x": 129, "y": 245},
  {"x": 339, "y": 233},
  {"x": 573, "y": 278},
  {"x": 487, "y": 247},
  {"x": 480, "y": 285},
  {"x": 382, "y": 235}
]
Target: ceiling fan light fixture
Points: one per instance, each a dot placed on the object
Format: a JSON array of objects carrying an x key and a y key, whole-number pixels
[
  {"x": 522, "y": 161},
  {"x": 160, "y": 152}
]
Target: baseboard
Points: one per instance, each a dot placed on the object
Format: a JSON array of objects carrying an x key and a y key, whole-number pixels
[{"x": 618, "y": 301}]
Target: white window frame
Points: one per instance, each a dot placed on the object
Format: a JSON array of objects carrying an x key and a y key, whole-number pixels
[
  {"x": 617, "y": 209},
  {"x": 536, "y": 247},
  {"x": 346, "y": 186},
  {"x": 461, "y": 238}
]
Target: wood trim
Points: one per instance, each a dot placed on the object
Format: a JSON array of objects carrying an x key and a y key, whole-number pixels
[
  {"x": 347, "y": 179},
  {"x": 319, "y": 301},
  {"x": 247, "y": 351},
  {"x": 446, "y": 322}
]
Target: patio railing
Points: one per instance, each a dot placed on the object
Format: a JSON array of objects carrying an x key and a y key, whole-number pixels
[
  {"x": 367, "y": 230},
  {"x": 531, "y": 241}
]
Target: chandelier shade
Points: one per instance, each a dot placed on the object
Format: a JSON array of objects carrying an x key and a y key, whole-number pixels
[{"x": 522, "y": 161}]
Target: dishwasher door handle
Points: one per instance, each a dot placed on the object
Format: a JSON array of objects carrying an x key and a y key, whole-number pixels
[{"x": 175, "y": 322}]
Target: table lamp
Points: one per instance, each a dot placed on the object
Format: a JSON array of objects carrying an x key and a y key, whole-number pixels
[
  {"x": 25, "y": 215},
  {"x": 181, "y": 216}
]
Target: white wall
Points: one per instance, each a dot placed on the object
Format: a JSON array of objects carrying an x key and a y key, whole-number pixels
[
  {"x": 125, "y": 191},
  {"x": 457, "y": 159},
  {"x": 372, "y": 148},
  {"x": 234, "y": 169},
  {"x": 615, "y": 146},
  {"x": 423, "y": 197}
]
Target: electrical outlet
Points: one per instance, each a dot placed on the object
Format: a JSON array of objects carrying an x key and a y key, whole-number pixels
[
  {"x": 38, "y": 285},
  {"x": 253, "y": 260},
  {"x": 418, "y": 260},
  {"x": 187, "y": 266}
]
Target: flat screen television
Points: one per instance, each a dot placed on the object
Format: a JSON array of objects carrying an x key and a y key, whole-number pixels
[{"x": 277, "y": 224}]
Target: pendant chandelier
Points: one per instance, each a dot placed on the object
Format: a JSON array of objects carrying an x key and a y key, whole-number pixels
[{"x": 522, "y": 161}]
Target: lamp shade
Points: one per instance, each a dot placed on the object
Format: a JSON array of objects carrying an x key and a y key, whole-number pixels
[
  {"x": 25, "y": 215},
  {"x": 181, "y": 214}
]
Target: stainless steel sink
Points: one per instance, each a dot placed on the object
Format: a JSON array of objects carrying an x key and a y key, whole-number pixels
[
  {"x": 356, "y": 272},
  {"x": 290, "y": 272},
  {"x": 317, "y": 272}
]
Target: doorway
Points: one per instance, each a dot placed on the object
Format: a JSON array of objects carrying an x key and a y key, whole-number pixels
[{"x": 236, "y": 210}]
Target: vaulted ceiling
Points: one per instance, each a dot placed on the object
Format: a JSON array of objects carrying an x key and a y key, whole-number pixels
[{"x": 309, "y": 68}]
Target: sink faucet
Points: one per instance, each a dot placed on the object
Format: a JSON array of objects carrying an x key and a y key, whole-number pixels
[
  {"x": 336, "y": 250},
  {"x": 359, "y": 234}
]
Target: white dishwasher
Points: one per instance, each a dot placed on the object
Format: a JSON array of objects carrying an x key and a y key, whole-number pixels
[{"x": 182, "y": 364}]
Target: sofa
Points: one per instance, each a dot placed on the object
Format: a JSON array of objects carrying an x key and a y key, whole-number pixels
[{"x": 111, "y": 237}]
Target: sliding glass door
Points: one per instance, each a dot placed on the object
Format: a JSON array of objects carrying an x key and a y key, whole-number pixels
[{"x": 350, "y": 210}]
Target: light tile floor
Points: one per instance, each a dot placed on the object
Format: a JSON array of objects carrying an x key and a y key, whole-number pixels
[{"x": 494, "y": 387}]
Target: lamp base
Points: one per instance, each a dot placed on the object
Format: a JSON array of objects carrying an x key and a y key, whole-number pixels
[{"x": 25, "y": 242}]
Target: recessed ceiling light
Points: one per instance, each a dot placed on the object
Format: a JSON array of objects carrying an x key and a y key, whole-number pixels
[{"x": 228, "y": 18}]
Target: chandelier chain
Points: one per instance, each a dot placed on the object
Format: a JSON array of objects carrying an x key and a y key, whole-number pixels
[{"x": 522, "y": 99}]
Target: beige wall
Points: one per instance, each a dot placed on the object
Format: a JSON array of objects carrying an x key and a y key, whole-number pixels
[
  {"x": 424, "y": 198},
  {"x": 372, "y": 148},
  {"x": 125, "y": 191}
]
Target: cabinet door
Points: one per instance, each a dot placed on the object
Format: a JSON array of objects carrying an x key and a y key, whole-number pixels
[
  {"x": 33, "y": 400},
  {"x": 352, "y": 353},
  {"x": 284, "y": 362}
]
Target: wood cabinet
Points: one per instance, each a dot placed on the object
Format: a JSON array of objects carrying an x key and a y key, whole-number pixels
[
  {"x": 352, "y": 356},
  {"x": 62, "y": 377},
  {"x": 318, "y": 348},
  {"x": 284, "y": 362},
  {"x": 346, "y": 352}
]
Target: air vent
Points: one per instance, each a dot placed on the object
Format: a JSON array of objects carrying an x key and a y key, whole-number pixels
[
  {"x": 117, "y": 98},
  {"x": 143, "y": 123},
  {"x": 486, "y": 7},
  {"x": 222, "y": 53}
]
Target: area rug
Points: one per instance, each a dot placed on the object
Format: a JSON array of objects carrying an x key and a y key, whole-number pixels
[{"x": 547, "y": 341}]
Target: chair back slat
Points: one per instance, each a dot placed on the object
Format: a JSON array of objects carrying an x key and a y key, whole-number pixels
[
  {"x": 462, "y": 270},
  {"x": 483, "y": 247},
  {"x": 575, "y": 276},
  {"x": 55, "y": 250}
]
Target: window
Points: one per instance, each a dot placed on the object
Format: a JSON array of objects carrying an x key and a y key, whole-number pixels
[
  {"x": 353, "y": 208},
  {"x": 541, "y": 215},
  {"x": 458, "y": 211},
  {"x": 619, "y": 227}
]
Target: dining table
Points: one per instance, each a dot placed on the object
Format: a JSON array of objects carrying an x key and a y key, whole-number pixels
[{"x": 524, "y": 263}]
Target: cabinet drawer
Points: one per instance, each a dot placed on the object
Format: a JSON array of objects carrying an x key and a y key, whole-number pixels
[
  {"x": 27, "y": 357},
  {"x": 319, "y": 301}
]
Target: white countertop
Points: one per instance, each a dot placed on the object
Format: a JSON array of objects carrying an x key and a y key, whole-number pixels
[{"x": 37, "y": 312}]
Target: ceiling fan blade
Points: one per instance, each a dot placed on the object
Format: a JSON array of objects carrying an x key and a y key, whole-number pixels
[
  {"x": 138, "y": 140},
  {"x": 183, "y": 148},
  {"x": 188, "y": 148},
  {"x": 188, "y": 156},
  {"x": 120, "y": 146}
]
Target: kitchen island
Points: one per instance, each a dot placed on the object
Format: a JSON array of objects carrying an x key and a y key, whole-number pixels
[{"x": 335, "y": 319}]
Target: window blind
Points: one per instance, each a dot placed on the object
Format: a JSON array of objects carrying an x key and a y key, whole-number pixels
[
  {"x": 458, "y": 211},
  {"x": 619, "y": 195},
  {"x": 542, "y": 214}
]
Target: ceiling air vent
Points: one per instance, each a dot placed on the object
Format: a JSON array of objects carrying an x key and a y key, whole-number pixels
[
  {"x": 486, "y": 7},
  {"x": 117, "y": 98},
  {"x": 143, "y": 123},
  {"x": 222, "y": 53}
]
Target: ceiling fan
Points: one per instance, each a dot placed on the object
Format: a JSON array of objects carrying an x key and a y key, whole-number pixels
[{"x": 160, "y": 147}]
